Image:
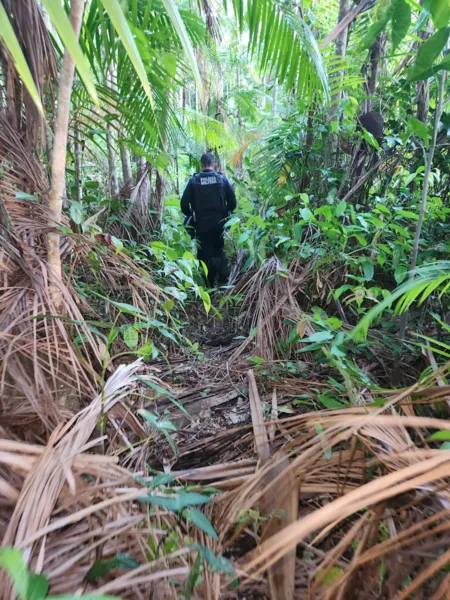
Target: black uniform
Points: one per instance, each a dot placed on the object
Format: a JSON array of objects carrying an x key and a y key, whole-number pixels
[{"x": 209, "y": 198}]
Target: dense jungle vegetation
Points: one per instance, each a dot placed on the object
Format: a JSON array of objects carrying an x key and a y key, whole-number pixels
[{"x": 286, "y": 435}]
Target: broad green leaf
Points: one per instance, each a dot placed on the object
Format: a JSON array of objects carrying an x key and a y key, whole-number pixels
[
  {"x": 340, "y": 208},
  {"x": 76, "y": 212},
  {"x": 12, "y": 561},
  {"x": 329, "y": 402},
  {"x": 375, "y": 29},
  {"x": 25, "y": 196},
  {"x": 305, "y": 213},
  {"x": 440, "y": 12},
  {"x": 37, "y": 587},
  {"x": 428, "y": 52},
  {"x": 443, "y": 65},
  {"x": 419, "y": 128},
  {"x": 201, "y": 521},
  {"x": 177, "y": 22},
  {"x": 400, "y": 273},
  {"x": 401, "y": 20},
  {"x": 120, "y": 24},
  {"x": 319, "y": 336},
  {"x": 65, "y": 31},
  {"x": 440, "y": 435},
  {"x": 10, "y": 41},
  {"x": 130, "y": 337},
  {"x": 368, "y": 270}
]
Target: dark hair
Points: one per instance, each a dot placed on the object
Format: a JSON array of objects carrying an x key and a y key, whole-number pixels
[{"x": 208, "y": 159}]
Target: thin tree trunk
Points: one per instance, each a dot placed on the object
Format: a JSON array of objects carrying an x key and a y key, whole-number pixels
[
  {"x": 110, "y": 145},
  {"x": 426, "y": 178},
  {"x": 78, "y": 151},
  {"x": 59, "y": 158},
  {"x": 274, "y": 98},
  {"x": 340, "y": 50},
  {"x": 423, "y": 205},
  {"x": 126, "y": 165},
  {"x": 376, "y": 53}
]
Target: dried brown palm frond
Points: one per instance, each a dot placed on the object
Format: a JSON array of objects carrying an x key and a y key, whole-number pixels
[
  {"x": 269, "y": 298},
  {"x": 37, "y": 355},
  {"x": 39, "y": 362},
  {"x": 372, "y": 493},
  {"x": 28, "y": 22},
  {"x": 63, "y": 487}
]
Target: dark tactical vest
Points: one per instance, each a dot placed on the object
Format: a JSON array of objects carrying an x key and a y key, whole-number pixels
[{"x": 210, "y": 206}]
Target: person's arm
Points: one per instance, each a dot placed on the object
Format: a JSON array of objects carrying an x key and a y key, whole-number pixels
[
  {"x": 230, "y": 196},
  {"x": 186, "y": 200}
]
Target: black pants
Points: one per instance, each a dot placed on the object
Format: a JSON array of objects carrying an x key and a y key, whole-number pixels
[{"x": 211, "y": 252}]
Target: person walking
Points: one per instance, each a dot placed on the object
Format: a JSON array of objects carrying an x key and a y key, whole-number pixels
[{"x": 206, "y": 203}]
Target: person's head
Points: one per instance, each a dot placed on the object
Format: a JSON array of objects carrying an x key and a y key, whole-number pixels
[{"x": 208, "y": 161}]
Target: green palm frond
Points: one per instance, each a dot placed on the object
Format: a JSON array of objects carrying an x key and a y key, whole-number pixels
[
  {"x": 428, "y": 279},
  {"x": 209, "y": 132},
  {"x": 284, "y": 45}
]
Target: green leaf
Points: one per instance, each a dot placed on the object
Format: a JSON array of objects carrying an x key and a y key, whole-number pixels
[
  {"x": 368, "y": 270},
  {"x": 440, "y": 12},
  {"x": 201, "y": 521},
  {"x": 332, "y": 574},
  {"x": 340, "y": 208},
  {"x": 25, "y": 196},
  {"x": 420, "y": 129},
  {"x": 76, "y": 212},
  {"x": 428, "y": 52},
  {"x": 37, "y": 587},
  {"x": 130, "y": 337},
  {"x": 440, "y": 435},
  {"x": 65, "y": 31},
  {"x": 120, "y": 24},
  {"x": 306, "y": 214},
  {"x": 401, "y": 20},
  {"x": 329, "y": 402},
  {"x": 375, "y": 29},
  {"x": 400, "y": 273},
  {"x": 177, "y": 22},
  {"x": 12, "y": 561},
  {"x": 156, "y": 421},
  {"x": 445, "y": 446},
  {"x": 319, "y": 336},
  {"x": 100, "y": 568},
  {"x": 176, "y": 503},
  {"x": 219, "y": 564},
  {"x": 193, "y": 578},
  {"x": 149, "y": 382},
  {"x": 9, "y": 39}
]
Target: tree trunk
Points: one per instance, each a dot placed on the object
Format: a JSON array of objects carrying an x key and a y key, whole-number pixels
[
  {"x": 126, "y": 166},
  {"x": 78, "y": 152},
  {"x": 340, "y": 50},
  {"x": 110, "y": 145},
  {"x": 59, "y": 159},
  {"x": 274, "y": 98},
  {"x": 375, "y": 54},
  {"x": 403, "y": 323},
  {"x": 112, "y": 171}
]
